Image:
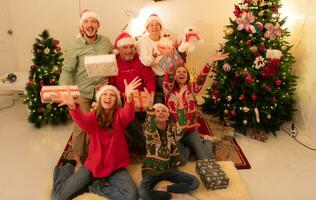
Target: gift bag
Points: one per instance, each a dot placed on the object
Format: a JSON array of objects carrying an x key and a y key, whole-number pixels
[
  {"x": 48, "y": 92},
  {"x": 170, "y": 60},
  {"x": 101, "y": 65}
]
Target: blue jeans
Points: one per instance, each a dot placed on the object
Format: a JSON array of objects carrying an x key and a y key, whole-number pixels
[
  {"x": 67, "y": 184},
  {"x": 191, "y": 141},
  {"x": 118, "y": 186},
  {"x": 183, "y": 183}
]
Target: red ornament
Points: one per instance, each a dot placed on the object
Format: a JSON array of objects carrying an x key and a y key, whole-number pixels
[
  {"x": 31, "y": 83},
  {"x": 237, "y": 11},
  {"x": 248, "y": 43},
  {"x": 216, "y": 93},
  {"x": 267, "y": 88},
  {"x": 56, "y": 42},
  {"x": 237, "y": 75},
  {"x": 32, "y": 67},
  {"x": 278, "y": 82},
  {"x": 58, "y": 49},
  {"x": 233, "y": 113},
  {"x": 249, "y": 79},
  {"x": 262, "y": 48},
  {"x": 254, "y": 97},
  {"x": 41, "y": 109},
  {"x": 274, "y": 100},
  {"x": 51, "y": 81},
  {"x": 241, "y": 97},
  {"x": 275, "y": 9},
  {"x": 41, "y": 82}
]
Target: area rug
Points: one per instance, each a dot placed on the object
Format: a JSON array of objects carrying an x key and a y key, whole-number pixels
[
  {"x": 236, "y": 189},
  {"x": 226, "y": 149}
]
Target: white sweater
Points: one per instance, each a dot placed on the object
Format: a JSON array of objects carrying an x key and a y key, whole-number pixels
[{"x": 145, "y": 48}]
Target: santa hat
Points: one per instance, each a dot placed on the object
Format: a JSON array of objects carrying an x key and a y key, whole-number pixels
[
  {"x": 121, "y": 40},
  {"x": 153, "y": 17},
  {"x": 160, "y": 105},
  {"x": 101, "y": 89},
  {"x": 86, "y": 14}
]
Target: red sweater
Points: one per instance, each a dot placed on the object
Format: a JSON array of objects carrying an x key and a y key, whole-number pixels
[
  {"x": 129, "y": 70},
  {"x": 188, "y": 99},
  {"x": 108, "y": 149}
]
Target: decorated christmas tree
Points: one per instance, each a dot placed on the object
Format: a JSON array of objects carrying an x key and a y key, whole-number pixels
[
  {"x": 45, "y": 71},
  {"x": 253, "y": 89}
]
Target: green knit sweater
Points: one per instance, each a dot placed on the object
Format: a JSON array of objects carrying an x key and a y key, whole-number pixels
[{"x": 162, "y": 153}]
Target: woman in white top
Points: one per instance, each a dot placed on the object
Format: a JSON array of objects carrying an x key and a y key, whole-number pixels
[{"x": 148, "y": 50}]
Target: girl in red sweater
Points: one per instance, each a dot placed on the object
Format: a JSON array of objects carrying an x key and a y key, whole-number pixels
[
  {"x": 174, "y": 80},
  {"x": 108, "y": 151}
]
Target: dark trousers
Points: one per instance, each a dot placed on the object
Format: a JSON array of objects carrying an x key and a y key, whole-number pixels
[{"x": 182, "y": 183}]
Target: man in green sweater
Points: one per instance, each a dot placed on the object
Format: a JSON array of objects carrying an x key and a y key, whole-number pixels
[{"x": 88, "y": 43}]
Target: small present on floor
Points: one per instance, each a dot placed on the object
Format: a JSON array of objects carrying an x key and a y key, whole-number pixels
[
  {"x": 260, "y": 136},
  {"x": 211, "y": 174}
]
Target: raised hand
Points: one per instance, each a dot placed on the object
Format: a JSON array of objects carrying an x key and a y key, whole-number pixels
[
  {"x": 150, "y": 98},
  {"x": 64, "y": 99},
  {"x": 131, "y": 87},
  {"x": 217, "y": 57}
]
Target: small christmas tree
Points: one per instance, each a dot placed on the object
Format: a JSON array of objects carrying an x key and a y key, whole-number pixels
[
  {"x": 45, "y": 71},
  {"x": 254, "y": 87}
]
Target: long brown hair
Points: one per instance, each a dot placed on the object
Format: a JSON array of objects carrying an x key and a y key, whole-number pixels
[{"x": 104, "y": 117}]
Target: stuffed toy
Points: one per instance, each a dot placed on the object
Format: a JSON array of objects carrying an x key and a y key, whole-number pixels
[{"x": 188, "y": 41}]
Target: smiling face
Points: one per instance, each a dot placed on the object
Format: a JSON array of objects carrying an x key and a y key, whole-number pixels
[
  {"x": 161, "y": 114},
  {"x": 108, "y": 99},
  {"x": 154, "y": 27},
  {"x": 127, "y": 52},
  {"x": 181, "y": 75},
  {"x": 90, "y": 27}
]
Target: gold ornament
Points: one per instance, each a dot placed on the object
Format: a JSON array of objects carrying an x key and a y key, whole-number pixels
[
  {"x": 245, "y": 109},
  {"x": 284, "y": 48},
  {"x": 262, "y": 3},
  {"x": 244, "y": 122},
  {"x": 253, "y": 49},
  {"x": 268, "y": 116},
  {"x": 229, "y": 98},
  {"x": 255, "y": 2},
  {"x": 226, "y": 111},
  {"x": 261, "y": 13},
  {"x": 229, "y": 31}
]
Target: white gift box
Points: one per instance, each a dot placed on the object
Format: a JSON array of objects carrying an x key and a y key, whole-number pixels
[
  {"x": 101, "y": 65},
  {"x": 48, "y": 92}
]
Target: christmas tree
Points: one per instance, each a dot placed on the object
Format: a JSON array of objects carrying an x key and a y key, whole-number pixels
[
  {"x": 254, "y": 88},
  {"x": 45, "y": 71}
]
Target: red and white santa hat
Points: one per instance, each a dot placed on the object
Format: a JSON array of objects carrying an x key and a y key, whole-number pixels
[
  {"x": 121, "y": 40},
  {"x": 153, "y": 17},
  {"x": 101, "y": 89},
  {"x": 160, "y": 105},
  {"x": 86, "y": 13}
]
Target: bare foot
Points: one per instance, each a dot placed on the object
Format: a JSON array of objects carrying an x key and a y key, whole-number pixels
[{"x": 78, "y": 162}]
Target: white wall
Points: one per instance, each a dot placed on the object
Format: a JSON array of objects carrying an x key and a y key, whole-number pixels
[{"x": 29, "y": 18}]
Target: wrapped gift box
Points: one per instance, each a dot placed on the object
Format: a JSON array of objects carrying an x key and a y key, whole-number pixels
[
  {"x": 101, "y": 65},
  {"x": 211, "y": 174},
  {"x": 260, "y": 136},
  {"x": 141, "y": 102},
  {"x": 48, "y": 92}
]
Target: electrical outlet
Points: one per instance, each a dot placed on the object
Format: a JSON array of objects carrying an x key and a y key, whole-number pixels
[{"x": 293, "y": 131}]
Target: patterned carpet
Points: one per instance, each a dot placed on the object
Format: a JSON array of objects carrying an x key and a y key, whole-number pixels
[{"x": 226, "y": 150}]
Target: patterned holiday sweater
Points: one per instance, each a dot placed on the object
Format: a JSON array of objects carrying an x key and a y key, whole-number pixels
[
  {"x": 161, "y": 151},
  {"x": 188, "y": 99}
]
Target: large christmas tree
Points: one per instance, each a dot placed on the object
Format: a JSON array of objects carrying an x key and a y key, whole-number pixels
[
  {"x": 254, "y": 88},
  {"x": 45, "y": 71}
]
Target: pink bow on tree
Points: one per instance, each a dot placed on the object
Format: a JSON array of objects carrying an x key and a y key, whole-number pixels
[
  {"x": 272, "y": 31},
  {"x": 244, "y": 22}
]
